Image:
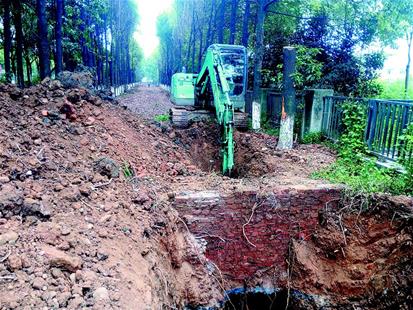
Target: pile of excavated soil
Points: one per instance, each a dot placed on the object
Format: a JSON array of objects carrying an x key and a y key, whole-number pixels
[{"x": 83, "y": 222}]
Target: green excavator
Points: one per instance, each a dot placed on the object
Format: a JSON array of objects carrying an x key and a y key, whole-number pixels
[{"x": 219, "y": 88}]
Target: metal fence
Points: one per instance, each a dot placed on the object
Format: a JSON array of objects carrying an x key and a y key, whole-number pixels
[{"x": 386, "y": 122}]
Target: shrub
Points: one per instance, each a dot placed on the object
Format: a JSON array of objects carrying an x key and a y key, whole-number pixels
[
  {"x": 162, "y": 118},
  {"x": 312, "y": 138}
]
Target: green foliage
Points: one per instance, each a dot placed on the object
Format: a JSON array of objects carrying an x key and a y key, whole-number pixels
[
  {"x": 395, "y": 89},
  {"x": 406, "y": 155},
  {"x": 312, "y": 138},
  {"x": 364, "y": 177},
  {"x": 352, "y": 146},
  {"x": 369, "y": 88},
  {"x": 309, "y": 69},
  {"x": 360, "y": 173},
  {"x": 270, "y": 130},
  {"x": 161, "y": 118},
  {"x": 127, "y": 170}
]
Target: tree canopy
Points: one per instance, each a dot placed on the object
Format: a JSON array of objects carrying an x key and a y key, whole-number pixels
[
  {"x": 342, "y": 31},
  {"x": 42, "y": 38}
]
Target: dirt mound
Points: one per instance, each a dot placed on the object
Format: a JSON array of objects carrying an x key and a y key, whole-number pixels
[
  {"x": 83, "y": 219},
  {"x": 86, "y": 220}
]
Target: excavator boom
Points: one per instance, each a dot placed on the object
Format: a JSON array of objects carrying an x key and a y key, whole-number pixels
[{"x": 220, "y": 86}]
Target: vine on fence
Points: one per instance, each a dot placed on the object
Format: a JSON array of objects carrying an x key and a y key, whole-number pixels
[
  {"x": 406, "y": 155},
  {"x": 352, "y": 145},
  {"x": 356, "y": 170}
]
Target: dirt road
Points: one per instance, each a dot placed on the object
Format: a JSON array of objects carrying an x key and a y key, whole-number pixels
[{"x": 147, "y": 101}]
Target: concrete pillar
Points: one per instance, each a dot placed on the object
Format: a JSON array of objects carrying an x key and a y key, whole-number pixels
[{"x": 313, "y": 109}]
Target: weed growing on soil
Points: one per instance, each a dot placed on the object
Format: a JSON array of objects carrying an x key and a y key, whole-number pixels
[
  {"x": 161, "y": 118},
  {"x": 364, "y": 177},
  {"x": 353, "y": 169},
  {"x": 127, "y": 170},
  {"x": 312, "y": 138}
]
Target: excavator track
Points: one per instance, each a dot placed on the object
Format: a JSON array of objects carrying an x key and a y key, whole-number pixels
[{"x": 183, "y": 118}]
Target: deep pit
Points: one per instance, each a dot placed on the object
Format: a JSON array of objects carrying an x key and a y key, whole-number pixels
[
  {"x": 260, "y": 299},
  {"x": 304, "y": 240},
  {"x": 175, "y": 235},
  {"x": 255, "y": 153}
]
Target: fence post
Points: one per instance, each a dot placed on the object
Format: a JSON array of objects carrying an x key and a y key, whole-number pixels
[{"x": 313, "y": 110}]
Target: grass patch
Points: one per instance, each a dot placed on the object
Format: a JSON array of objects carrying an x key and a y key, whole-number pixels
[
  {"x": 364, "y": 177},
  {"x": 162, "y": 118},
  {"x": 313, "y": 138},
  {"x": 395, "y": 90}
]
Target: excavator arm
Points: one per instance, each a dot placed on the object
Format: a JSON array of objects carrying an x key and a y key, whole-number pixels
[{"x": 219, "y": 83}]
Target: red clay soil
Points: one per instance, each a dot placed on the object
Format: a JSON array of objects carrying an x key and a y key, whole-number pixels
[
  {"x": 360, "y": 259},
  {"x": 85, "y": 217},
  {"x": 74, "y": 231}
]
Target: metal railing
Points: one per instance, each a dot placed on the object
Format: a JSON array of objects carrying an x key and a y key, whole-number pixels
[
  {"x": 386, "y": 122},
  {"x": 332, "y": 125}
]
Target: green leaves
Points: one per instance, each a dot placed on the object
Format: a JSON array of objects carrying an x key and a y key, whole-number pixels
[
  {"x": 406, "y": 155},
  {"x": 161, "y": 118},
  {"x": 360, "y": 173},
  {"x": 309, "y": 69},
  {"x": 352, "y": 146}
]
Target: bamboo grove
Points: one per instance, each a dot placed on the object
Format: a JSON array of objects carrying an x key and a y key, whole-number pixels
[{"x": 41, "y": 38}]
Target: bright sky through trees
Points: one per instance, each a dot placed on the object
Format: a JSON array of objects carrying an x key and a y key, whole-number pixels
[{"x": 149, "y": 10}]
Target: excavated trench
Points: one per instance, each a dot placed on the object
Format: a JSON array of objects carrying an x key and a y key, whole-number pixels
[
  {"x": 276, "y": 239},
  {"x": 303, "y": 247}
]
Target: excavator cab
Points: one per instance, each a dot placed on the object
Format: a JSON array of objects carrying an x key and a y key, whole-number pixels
[
  {"x": 182, "y": 89},
  {"x": 232, "y": 59}
]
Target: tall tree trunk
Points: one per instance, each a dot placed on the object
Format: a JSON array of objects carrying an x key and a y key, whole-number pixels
[
  {"x": 262, "y": 6},
  {"x": 208, "y": 39},
  {"x": 233, "y": 21},
  {"x": 193, "y": 44},
  {"x": 221, "y": 21},
  {"x": 200, "y": 52},
  {"x": 28, "y": 69},
  {"x": 245, "y": 23},
  {"x": 259, "y": 49},
  {"x": 409, "y": 38},
  {"x": 44, "y": 56},
  {"x": 106, "y": 51},
  {"x": 17, "y": 17},
  {"x": 59, "y": 47},
  {"x": 286, "y": 138},
  {"x": 7, "y": 40}
]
